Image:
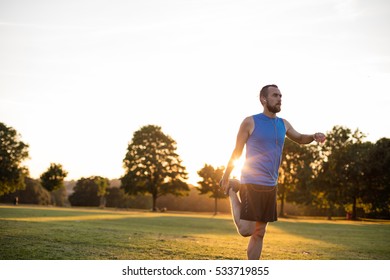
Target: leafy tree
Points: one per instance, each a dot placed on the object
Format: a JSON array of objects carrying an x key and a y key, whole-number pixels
[
  {"x": 102, "y": 184},
  {"x": 12, "y": 153},
  {"x": 328, "y": 184},
  {"x": 33, "y": 193},
  {"x": 60, "y": 197},
  {"x": 53, "y": 178},
  {"x": 210, "y": 183},
  {"x": 294, "y": 173},
  {"x": 376, "y": 171},
  {"x": 352, "y": 171},
  {"x": 87, "y": 192},
  {"x": 341, "y": 180},
  {"x": 116, "y": 197},
  {"x": 153, "y": 166}
]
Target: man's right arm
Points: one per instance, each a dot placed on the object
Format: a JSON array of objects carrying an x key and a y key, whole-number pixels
[{"x": 244, "y": 132}]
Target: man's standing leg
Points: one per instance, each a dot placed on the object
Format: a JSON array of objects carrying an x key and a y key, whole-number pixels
[{"x": 255, "y": 245}]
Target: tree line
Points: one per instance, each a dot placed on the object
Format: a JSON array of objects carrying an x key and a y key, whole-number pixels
[{"x": 344, "y": 175}]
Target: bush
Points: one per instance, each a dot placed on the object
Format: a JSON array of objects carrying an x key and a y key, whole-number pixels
[{"x": 34, "y": 193}]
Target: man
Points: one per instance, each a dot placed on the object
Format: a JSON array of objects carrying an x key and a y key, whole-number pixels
[{"x": 263, "y": 135}]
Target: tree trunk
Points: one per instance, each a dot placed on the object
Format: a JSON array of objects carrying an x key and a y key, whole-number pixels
[
  {"x": 281, "y": 212},
  {"x": 215, "y": 206},
  {"x": 102, "y": 202},
  {"x": 52, "y": 198},
  {"x": 154, "y": 207},
  {"x": 330, "y": 211},
  {"x": 354, "y": 214}
]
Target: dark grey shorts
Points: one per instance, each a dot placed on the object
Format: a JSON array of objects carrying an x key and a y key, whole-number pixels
[{"x": 258, "y": 203}]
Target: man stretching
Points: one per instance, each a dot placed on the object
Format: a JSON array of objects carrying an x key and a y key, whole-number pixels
[{"x": 263, "y": 135}]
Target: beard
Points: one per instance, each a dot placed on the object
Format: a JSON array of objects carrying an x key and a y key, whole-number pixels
[{"x": 274, "y": 109}]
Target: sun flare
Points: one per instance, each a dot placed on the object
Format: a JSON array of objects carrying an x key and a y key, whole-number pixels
[{"x": 238, "y": 165}]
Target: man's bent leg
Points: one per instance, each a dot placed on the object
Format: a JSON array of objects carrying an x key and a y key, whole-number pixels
[
  {"x": 255, "y": 245},
  {"x": 245, "y": 228}
]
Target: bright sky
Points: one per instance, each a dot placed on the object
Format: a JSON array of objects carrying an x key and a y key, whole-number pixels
[{"x": 79, "y": 77}]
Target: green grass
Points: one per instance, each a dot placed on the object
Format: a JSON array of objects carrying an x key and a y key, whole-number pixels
[{"x": 43, "y": 233}]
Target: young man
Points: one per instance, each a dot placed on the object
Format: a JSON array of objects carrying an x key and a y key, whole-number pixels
[{"x": 263, "y": 135}]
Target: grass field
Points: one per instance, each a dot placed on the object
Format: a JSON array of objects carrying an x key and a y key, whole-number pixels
[{"x": 43, "y": 233}]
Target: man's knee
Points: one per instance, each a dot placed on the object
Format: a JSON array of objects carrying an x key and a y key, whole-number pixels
[
  {"x": 246, "y": 229},
  {"x": 245, "y": 232},
  {"x": 256, "y": 230},
  {"x": 259, "y": 231}
]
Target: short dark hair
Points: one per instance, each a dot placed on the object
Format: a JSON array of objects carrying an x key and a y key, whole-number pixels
[{"x": 264, "y": 90}]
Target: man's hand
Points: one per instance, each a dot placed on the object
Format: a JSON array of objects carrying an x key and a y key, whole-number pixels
[
  {"x": 319, "y": 137},
  {"x": 224, "y": 184}
]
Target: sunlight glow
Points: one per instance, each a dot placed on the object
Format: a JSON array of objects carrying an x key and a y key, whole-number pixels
[{"x": 238, "y": 165}]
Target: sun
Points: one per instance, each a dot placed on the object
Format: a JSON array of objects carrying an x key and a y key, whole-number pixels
[{"x": 238, "y": 165}]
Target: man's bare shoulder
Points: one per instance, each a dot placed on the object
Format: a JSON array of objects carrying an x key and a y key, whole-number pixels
[
  {"x": 248, "y": 124},
  {"x": 286, "y": 124},
  {"x": 248, "y": 121}
]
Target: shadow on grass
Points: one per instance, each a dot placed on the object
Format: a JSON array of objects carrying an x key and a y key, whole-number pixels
[{"x": 347, "y": 240}]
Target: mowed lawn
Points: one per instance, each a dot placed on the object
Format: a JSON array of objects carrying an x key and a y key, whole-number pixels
[{"x": 41, "y": 233}]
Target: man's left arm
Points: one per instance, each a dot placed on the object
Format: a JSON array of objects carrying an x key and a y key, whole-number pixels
[{"x": 302, "y": 138}]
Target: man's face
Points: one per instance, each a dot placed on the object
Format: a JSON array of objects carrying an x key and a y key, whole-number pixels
[{"x": 274, "y": 100}]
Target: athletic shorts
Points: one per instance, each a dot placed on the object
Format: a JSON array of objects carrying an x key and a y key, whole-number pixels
[{"x": 258, "y": 203}]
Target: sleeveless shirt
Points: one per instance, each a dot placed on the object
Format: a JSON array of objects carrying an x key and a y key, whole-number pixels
[{"x": 264, "y": 149}]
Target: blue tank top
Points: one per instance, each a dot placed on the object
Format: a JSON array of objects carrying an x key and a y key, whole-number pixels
[{"x": 264, "y": 151}]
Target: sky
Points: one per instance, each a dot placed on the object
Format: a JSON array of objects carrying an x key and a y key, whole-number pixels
[{"x": 78, "y": 78}]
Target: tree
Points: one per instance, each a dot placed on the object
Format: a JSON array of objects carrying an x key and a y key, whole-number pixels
[
  {"x": 341, "y": 180},
  {"x": 60, "y": 197},
  {"x": 116, "y": 197},
  {"x": 353, "y": 161},
  {"x": 294, "y": 172},
  {"x": 12, "y": 153},
  {"x": 328, "y": 183},
  {"x": 376, "y": 171},
  {"x": 88, "y": 191},
  {"x": 33, "y": 193},
  {"x": 153, "y": 166},
  {"x": 53, "y": 178},
  {"x": 210, "y": 183},
  {"x": 102, "y": 184}
]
